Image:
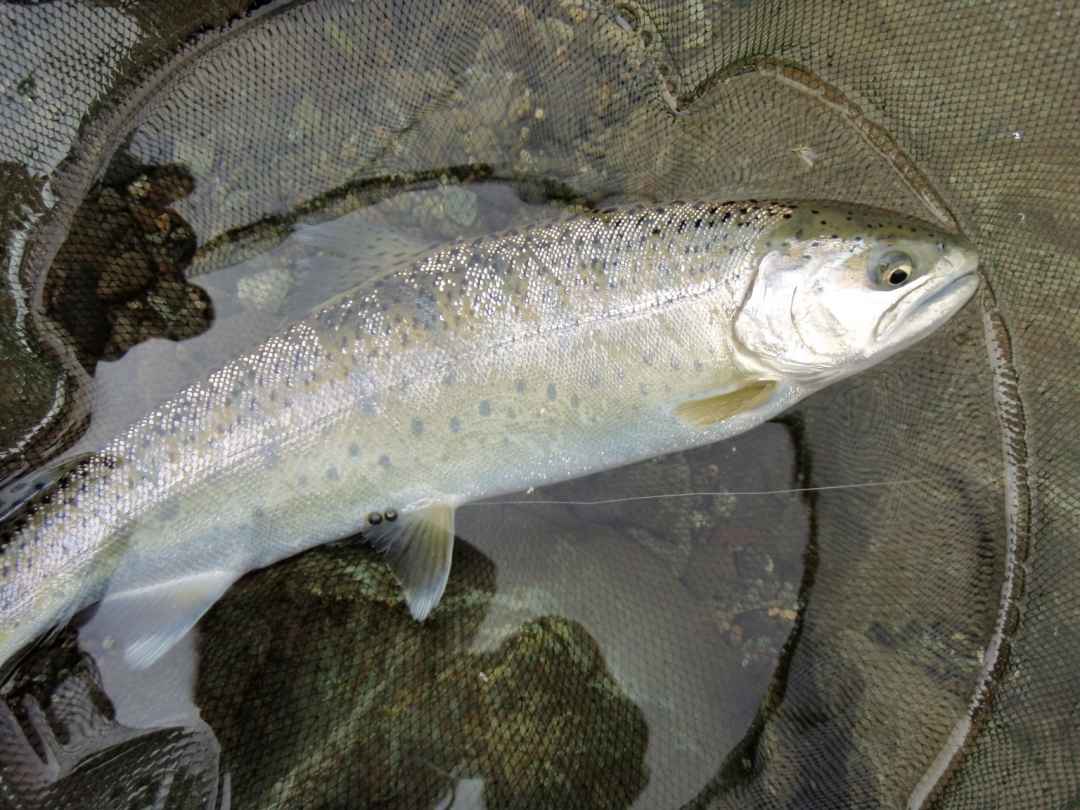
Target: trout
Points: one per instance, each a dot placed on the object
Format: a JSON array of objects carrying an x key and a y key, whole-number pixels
[{"x": 484, "y": 368}]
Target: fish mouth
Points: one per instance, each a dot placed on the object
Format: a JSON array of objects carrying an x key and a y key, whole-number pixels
[{"x": 927, "y": 309}]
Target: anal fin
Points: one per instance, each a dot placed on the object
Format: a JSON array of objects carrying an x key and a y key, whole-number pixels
[
  {"x": 420, "y": 546},
  {"x": 148, "y": 621},
  {"x": 712, "y": 410}
]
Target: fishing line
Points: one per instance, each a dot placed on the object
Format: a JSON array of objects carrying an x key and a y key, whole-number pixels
[{"x": 704, "y": 494}]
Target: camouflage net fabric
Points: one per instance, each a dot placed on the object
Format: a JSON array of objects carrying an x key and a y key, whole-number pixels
[{"x": 914, "y": 645}]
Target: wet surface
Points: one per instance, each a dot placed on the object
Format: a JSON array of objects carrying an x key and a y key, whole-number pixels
[{"x": 694, "y": 642}]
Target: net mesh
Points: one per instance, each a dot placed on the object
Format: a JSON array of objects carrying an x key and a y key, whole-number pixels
[{"x": 925, "y": 655}]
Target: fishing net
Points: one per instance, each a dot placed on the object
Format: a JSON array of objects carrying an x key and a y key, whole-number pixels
[{"x": 911, "y": 643}]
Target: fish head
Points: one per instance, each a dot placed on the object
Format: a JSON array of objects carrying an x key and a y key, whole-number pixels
[{"x": 838, "y": 288}]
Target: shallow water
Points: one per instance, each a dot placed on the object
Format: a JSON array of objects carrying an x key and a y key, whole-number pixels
[
  {"x": 627, "y": 653},
  {"x": 632, "y": 653},
  {"x": 901, "y": 585}
]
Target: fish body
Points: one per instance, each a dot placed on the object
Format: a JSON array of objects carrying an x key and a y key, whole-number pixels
[{"x": 485, "y": 368}]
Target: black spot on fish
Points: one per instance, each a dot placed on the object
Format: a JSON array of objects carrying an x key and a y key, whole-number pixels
[
  {"x": 485, "y": 408},
  {"x": 354, "y": 450},
  {"x": 519, "y": 386},
  {"x": 574, "y": 401},
  {"x": 417, "y": 426},
  {"x": 455, "y": 424},
  {"x": 551, "y": 392},
  {"x": 332, "y": 474},
  {"x": 384, "y": 461}
]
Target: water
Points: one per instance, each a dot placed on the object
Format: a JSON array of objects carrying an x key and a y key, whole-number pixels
[{"x": 645, "y": 653}]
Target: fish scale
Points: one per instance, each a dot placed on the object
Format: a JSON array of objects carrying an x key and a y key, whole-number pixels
[{"x": 484, "y": 368}]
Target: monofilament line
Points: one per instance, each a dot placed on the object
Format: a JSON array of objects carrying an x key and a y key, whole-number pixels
[{"x": 703, "y": 494}]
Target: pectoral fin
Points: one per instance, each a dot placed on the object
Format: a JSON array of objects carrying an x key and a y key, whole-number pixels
[
  {"x": 712, "y": 410},
  {"x": 147, "y": 622},
  {"x": 420, "y": 545}
]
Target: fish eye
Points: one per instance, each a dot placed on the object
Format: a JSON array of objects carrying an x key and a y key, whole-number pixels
[
  {"x": 898, "y": 275},
  {"x": 894, "y": 269}
]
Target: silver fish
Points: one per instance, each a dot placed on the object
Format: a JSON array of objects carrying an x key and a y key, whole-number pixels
[{"x": 485, "y": 368}]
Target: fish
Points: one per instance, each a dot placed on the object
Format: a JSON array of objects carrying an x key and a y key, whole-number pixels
[{"x": 483, "y": 368}]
